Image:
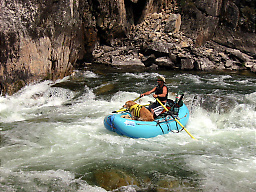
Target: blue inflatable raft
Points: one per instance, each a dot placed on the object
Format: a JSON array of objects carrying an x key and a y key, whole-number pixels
[{"x": 146, "y": 129}]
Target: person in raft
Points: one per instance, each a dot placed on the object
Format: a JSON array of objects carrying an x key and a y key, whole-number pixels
[{"x": 160, "y": 92}]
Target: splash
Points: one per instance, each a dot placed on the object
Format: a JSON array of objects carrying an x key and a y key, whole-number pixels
[{"x": 53, "y": 138}]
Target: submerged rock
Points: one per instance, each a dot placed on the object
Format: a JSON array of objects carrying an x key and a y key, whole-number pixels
[
  {"x": 113, "y": 179},
  {"x": 105, "y": 88}
]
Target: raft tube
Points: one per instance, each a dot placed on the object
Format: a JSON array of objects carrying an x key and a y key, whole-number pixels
[{"x": 146, "y": 129}]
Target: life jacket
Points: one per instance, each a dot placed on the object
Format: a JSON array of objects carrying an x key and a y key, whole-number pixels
[
  {"x": 159, "y": 90},
  {"x": 136, "y": 109}
]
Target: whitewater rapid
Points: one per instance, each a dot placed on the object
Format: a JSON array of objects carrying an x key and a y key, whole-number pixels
[{"x": 53, "y": 137}]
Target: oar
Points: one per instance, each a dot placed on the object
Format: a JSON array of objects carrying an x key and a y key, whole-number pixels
[
  {"x": 122, "y": 109},
  {"x": 136, "y": 99},
  {"x": 175, "y": 119}
]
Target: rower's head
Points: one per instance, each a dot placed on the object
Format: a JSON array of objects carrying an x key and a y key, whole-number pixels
[{"x": 160, "y": 80}]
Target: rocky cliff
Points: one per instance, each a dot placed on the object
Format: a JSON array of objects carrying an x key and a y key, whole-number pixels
[{"x": 42, "y": 39}]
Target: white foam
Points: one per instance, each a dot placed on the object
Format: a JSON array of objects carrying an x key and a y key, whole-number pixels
[{"x": 65, "y": 138}]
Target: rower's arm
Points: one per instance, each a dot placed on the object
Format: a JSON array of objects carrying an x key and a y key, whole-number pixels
[{"x": 148, "y": 92}]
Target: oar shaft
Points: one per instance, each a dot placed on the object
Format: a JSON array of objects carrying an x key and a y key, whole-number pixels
[
  {"x": 175, "y": 119},
  {"x": 120, "y": 110},
  {"x": 161, "y": 104},
  {"x": 123, "y": 109},
  {"x": 183, "y": 128},
  {"x": 136, "y": 99}
]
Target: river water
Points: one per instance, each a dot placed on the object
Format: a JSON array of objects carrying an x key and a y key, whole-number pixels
[{"x": 53, "y": 138}]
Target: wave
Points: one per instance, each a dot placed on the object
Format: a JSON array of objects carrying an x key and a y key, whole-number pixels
[{"x": 53, "y": 137}]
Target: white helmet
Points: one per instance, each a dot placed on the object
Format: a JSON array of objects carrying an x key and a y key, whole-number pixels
[{"x": 161, "y": 78}]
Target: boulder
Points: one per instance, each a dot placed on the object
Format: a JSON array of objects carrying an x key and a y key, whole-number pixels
[
  {"x": 253, "y": 68},
  {"x": 128, "y": 61},
  {"x": 173, "y": 24},
  {"x": 204, "y": 64},
  {"x": 237, "y": 54},
  {"x": 186, "y": 64},
  {"x": 210, "y": 7},
  {"x": 165, "y": 62},
  {"x": 148, "y": 60},
  {"x": 112, "y": 179},
  {"x": 228, "y": 63},
  {"x": 161, "y": 47}
]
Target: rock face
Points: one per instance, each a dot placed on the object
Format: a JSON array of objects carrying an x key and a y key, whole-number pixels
[
  {"x": 48, "y": 39},
  {"x": 38, "y": 40},
  {"x": 228, "y": 22}
]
